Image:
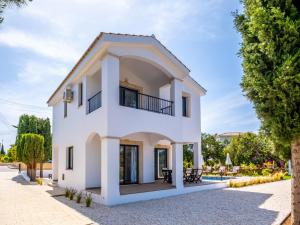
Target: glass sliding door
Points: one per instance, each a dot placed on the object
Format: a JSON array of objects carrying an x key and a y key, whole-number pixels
[
  {"x": 161, "y": 161},
  {"x": 128, "y": 97},
  {"x": 128, "y": 164}
]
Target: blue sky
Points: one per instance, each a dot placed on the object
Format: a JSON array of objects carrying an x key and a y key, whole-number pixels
[{"x": 40, "y": 43}]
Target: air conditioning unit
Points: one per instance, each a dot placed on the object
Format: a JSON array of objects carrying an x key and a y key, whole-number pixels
[{"x": 68, "y": 95}]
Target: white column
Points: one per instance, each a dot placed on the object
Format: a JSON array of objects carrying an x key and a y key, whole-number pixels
[
  {"x": 176, "y": 97},
  {"x": 110, "y": 166},
  {"x": 197, "y": 155},
  {"x": 170, "y": 158},
  {"x": 177, "y": 165},
  {"x": 55, "y": 158},
  {"x": 110, "y": 82}
]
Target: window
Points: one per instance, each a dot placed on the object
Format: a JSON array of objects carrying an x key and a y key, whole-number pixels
[
  {"x": 65, "y": 109},
  {"x": 185, "y": 106},
  {"x": 69, "y": 157},
  {"x": 80, "y": 88},
  {"x": 128, "y": 97}
]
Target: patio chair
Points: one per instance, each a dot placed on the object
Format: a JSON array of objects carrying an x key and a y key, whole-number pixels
[
  {"x": 221, "y": 171},
  {"x": 235, "y": 171},
  {"x": 187, "y": 175},
  {"x": 208, "y": 170},
  {"x": 197, "y": 175},
  {"x": 165, "y": 173}
]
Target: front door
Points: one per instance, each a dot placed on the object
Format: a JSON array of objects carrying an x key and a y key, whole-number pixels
[
  {"x": 161, "y": 161},
  {"x": 128, "y": 164}
]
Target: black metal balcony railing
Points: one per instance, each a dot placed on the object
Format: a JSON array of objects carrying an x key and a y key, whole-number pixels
[
  {"x": 131, "y": 98},
  {"x": 94, "y": 102}
]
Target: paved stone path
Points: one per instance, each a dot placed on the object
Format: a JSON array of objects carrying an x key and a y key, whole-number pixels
[
  {"x": 24, "y": 204},
  {"x": 265, "y": 204}
]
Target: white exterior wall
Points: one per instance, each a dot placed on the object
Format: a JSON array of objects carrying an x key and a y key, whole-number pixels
[{"x": 115, "y": 121}]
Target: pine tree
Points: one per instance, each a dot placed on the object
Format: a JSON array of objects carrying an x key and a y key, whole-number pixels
[
  {"x": 270, "y": 50},
  {"x": 2, "y": 152}
]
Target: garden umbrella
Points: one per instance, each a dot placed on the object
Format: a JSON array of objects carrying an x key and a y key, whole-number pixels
[{"x": 228, "y": 160}]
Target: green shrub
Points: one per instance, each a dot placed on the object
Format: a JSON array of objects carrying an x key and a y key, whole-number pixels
[
  {"x": 78, "y": 197},
  {"x": 266, "y": 172},
  {"x": 257, "y": 180},
  {"x": 6, "y": 159},
  {"x": 286, "y": 176},
  {"x": 39, "y": 181},
  {"x": 67, "y": 192},
  {"x": 72, "y": 193},
  {"x": 88, "y": 200}
]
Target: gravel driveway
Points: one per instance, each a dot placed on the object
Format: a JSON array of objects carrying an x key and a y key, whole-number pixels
[{"x": 261, "y": 204}]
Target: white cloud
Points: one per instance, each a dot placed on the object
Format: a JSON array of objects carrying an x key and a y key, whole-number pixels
[
  {"x": 54, "y": 48},
  {"x": 35, "y": 72}
]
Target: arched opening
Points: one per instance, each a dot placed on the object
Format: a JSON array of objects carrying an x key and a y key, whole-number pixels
[
  {"x": 143, "y": 155},
  {"x": 145, "y": 86},
  {"x": 93, "y": 161}
]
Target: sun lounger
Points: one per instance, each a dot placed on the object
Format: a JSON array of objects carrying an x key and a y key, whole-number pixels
[{"x": 235, "y": 171}]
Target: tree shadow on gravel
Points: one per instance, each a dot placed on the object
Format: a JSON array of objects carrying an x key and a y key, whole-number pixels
[
  {"x": 19, "y": 179},
  {"x": 224, "y": 207}
]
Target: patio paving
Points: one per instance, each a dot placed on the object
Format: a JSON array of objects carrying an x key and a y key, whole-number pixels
[
  {"x": 32, "y": 204},
  {"x": 146, "y": 187}
]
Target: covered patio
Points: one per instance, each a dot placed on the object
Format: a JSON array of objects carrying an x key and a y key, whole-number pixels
[{"x": 147, "y": 187}]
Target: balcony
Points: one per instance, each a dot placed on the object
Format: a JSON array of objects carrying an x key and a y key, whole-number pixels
[
  {"x": 94, "y": 102},
  {"x": 134, "y": 99}
]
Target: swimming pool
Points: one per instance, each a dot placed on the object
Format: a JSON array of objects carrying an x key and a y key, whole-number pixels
[{"x": 216, "y": 178}]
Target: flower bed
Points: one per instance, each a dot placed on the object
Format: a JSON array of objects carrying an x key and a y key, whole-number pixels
[{"x": 256, "y": 180}]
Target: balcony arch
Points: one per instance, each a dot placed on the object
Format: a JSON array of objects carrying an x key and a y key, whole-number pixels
[{"x": 152, "y": 56}]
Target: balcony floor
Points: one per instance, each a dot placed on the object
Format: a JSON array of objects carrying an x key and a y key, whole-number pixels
[{"x": 147, "y": 187}]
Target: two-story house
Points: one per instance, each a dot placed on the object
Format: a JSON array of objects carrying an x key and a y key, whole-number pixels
[{"x": 121, "y": 115}]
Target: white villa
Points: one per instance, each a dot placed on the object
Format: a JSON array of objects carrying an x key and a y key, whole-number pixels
[{"x": 121, "y": 115}]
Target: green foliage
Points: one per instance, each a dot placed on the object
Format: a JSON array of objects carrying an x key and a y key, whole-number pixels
[
  {"x": 250, "y": 147},
  {"x": 12, "y": 153},
  {"x": 271, "y": 62},
  {"x": 2, "y": 152},
  {"x": 79, "y": 197},
  {"x": 88, "y": 200},
  {"x": 5, "y": 159},
  {"x": 32, "y": 148},
  {"x": 39, "y": 181},
  {"x": 72, "y": 193},
  {"x": 258, "y": 180},
  {"x": 27, "y": 124},
  {"x": 212, "y": 150},
  {"x": 32, "y": 124},
  {"x": 67, "y": 192},
  {"x": 187, "y": 157},
  {"x": 266, "y": 172},
  {"x": 6, "y": 3},
  {"x": 44, "y": 129}
]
